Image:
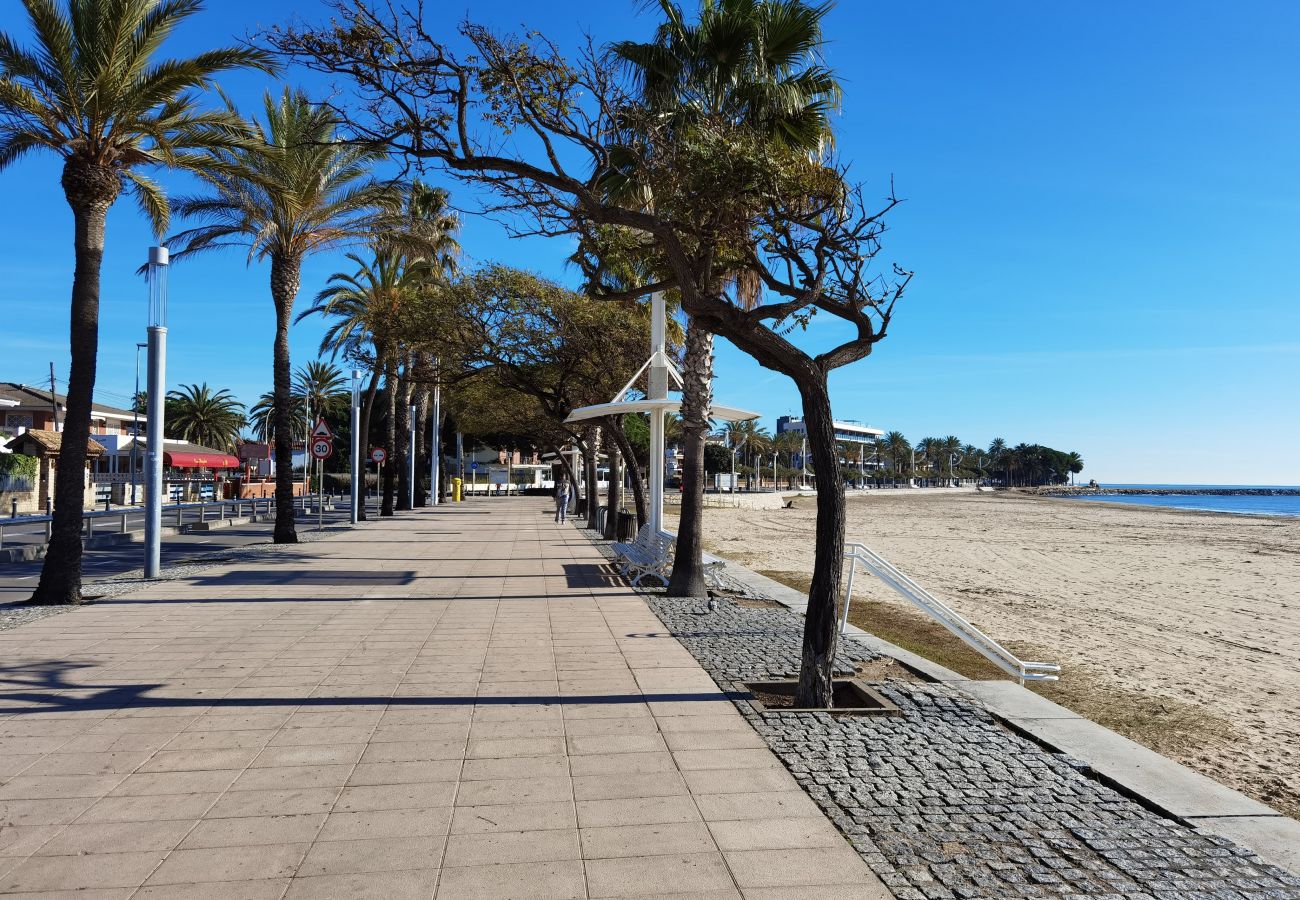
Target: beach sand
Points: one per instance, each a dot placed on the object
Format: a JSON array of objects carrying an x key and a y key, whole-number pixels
[{"x": 1183, "y": 628}]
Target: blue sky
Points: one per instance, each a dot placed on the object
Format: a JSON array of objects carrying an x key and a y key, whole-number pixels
[{"x": 1102, "y": 209}]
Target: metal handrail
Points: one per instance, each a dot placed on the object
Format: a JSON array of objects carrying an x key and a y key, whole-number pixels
[
  {"x": 942, "y": 613},
  {"x": 121, "y": 512}
]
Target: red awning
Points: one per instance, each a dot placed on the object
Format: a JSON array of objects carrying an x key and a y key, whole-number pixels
[{"x": 199, "y": 460}]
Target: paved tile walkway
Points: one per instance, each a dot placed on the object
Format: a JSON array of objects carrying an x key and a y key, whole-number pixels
[{"x": 459, "y": 703}]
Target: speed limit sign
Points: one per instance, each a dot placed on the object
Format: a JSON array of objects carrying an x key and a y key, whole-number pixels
[
  {"x": 378, "y": 455},
  {"x": 322, "y": 448}
]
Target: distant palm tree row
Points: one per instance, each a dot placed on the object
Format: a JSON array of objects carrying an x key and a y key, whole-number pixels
[
  {"x": 947, "y": 459},
  {"x": 935, "y": 460}
]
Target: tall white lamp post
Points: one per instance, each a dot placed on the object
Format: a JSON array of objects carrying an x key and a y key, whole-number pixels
[
  {"x": 156, "y": 273},
  {"x": 435, "y": 440},
  {"x": 358, "y": 467}
]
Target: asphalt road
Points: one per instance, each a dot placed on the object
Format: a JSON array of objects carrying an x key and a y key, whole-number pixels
[{"x": 18, "y": 579}]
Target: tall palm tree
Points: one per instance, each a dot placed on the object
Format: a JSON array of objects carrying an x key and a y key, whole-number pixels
[
  {"x": 998, "y": 457},
  {"x": 894, "y": 445},
  {"x": 368, "y": 307},
  {"x": 200, "y": 415},
  {"x": 1075, "y": 464},
  {"x": 323, "y": 388},
  {"x": 298, "y": 192},
  {"x": 751, "y": 65},
  {"x": 319, "y": 387},
  {"x": 94, "y": 92}
]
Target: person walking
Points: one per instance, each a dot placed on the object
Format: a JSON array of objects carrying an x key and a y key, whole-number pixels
[{"x": 561, "y": 500}]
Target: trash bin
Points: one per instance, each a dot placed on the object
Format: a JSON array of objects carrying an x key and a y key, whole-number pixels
[
  {"x": 580, "y": 508},
  {"x": 626, "y": 526}
]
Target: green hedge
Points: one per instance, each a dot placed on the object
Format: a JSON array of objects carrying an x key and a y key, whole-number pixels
[{"x": 19, "y": 465}]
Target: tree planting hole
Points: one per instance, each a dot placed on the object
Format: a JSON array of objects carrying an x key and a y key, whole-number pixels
[{"x": 849, "y": 697}]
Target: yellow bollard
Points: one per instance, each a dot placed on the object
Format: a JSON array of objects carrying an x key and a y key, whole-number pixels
[{"x": 455, "y": 490}]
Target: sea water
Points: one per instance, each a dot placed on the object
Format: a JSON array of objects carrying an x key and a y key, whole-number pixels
[{"x": 1242, "y": 504}]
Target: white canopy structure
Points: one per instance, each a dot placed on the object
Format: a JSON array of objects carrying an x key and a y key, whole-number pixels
[{"x": 657, "y": 403}]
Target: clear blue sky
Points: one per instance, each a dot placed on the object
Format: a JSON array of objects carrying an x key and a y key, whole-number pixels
[{"x": 1103, "y": 211}]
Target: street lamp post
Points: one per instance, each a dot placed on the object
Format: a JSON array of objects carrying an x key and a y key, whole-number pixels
[
  {"x": 435, "y": 440},
  {"x": 358, "y": 467},
  {"x": 157, "y": 382}
]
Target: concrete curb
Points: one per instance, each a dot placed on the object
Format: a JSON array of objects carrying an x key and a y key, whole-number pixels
[{"x": 1153, "y": 780}]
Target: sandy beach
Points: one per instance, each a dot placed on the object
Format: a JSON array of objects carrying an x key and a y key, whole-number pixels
[{"x": 1198, "y": 613}]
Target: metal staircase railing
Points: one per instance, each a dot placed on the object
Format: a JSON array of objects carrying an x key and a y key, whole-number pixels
[{"x": 945, "y": 615}]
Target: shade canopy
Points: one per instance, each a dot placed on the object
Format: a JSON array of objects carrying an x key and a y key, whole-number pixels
[
  {"x": 179, "y": 460},
  {"x": 618, "y": 408}
]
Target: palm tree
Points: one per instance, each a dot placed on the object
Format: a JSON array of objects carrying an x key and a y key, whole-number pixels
[
  {"x": 998, "y": 457},
  {"x": 197, "y": 414},
  {"x": 895, "y": 446},
  {"x": 93, "y": 91},
  {"x": 299, "y": 192},
  {"x": 368, "y": 307},
  {"x": 1075, "y": 464},
  {"x": 752, "y": 66},
  {"x": 323, "y": 388}
]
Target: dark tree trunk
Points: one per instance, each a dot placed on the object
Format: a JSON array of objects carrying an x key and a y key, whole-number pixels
[
  {"x": 390, "y": 437},
  {"x": 591, "y": 461},
  {"x": 633, "y": 470},
  {"x": 367, "y": 406},
  {"x": 687, "y": 579},
  {"x": 614, "y": 496},
  {"x": 821, "y": 624},
  {"x": 90, "y": 190},
  {"x": 286, "y": 276},
  {"x": 402, "y": 448},
  {"x": 422, "y": 454}
]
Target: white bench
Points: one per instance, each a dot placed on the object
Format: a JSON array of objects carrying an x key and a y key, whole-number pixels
[{"x": 648, "y": 554}]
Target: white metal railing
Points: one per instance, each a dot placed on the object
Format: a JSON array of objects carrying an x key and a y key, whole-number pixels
[{"x": 942, "y": 613}]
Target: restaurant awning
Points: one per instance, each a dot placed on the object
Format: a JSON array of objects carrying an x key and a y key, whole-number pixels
[{"x": 179, "y": 460}]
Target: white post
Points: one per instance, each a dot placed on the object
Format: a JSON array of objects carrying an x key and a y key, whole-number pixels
[
  {"x": 358, "y": 465},
  {"x": 157, "y": 387},
  {"x": 435, "y": 441},
  {"x": 657, "y": 389}
]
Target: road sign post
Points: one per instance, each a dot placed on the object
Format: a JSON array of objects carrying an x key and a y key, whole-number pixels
[
  {"x": 378, "y": 454},
  {"x": 322, "y": 448}
]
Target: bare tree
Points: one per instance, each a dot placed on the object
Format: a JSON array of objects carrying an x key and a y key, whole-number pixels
[{"x": 542, "y": 134}]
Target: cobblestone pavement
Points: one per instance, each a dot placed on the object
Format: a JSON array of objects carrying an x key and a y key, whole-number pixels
[{"x": 944, "y": 802}]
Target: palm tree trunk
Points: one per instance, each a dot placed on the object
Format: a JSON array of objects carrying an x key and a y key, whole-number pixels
[
  {"x": 367, "y": 405},
  {"x": 614, "y": 496},
  {"x": 286, "y": 276},
  {"x": 821, "y": 625},
  {"x": 390, "y": 436},
  {"x": 90, "y": 191},
  {"x": 591, "y": 461},
  {"x": 402, "y": 448},
  {"x": 697, "y": 396},
  {"x": 422, "y": 458},
  {"x": 633, "y": 470}
]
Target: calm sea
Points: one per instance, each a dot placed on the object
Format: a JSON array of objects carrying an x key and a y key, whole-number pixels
[{"x": 1249, "y": 505}]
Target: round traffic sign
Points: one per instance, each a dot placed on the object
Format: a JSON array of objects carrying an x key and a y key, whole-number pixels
[
  {"x": 473, "y": 465},
  {"x": 322, "y": 448},
  {"x": 378, "y": 455}
]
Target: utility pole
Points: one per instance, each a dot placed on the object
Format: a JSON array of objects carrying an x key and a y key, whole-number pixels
[{"x": 54, "y": 402}]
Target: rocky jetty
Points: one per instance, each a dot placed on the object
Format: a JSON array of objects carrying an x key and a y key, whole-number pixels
[{"x": 1086, "y": 491}]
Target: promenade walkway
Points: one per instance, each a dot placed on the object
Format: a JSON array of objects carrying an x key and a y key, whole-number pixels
[{"x": 459, "y": 703}]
